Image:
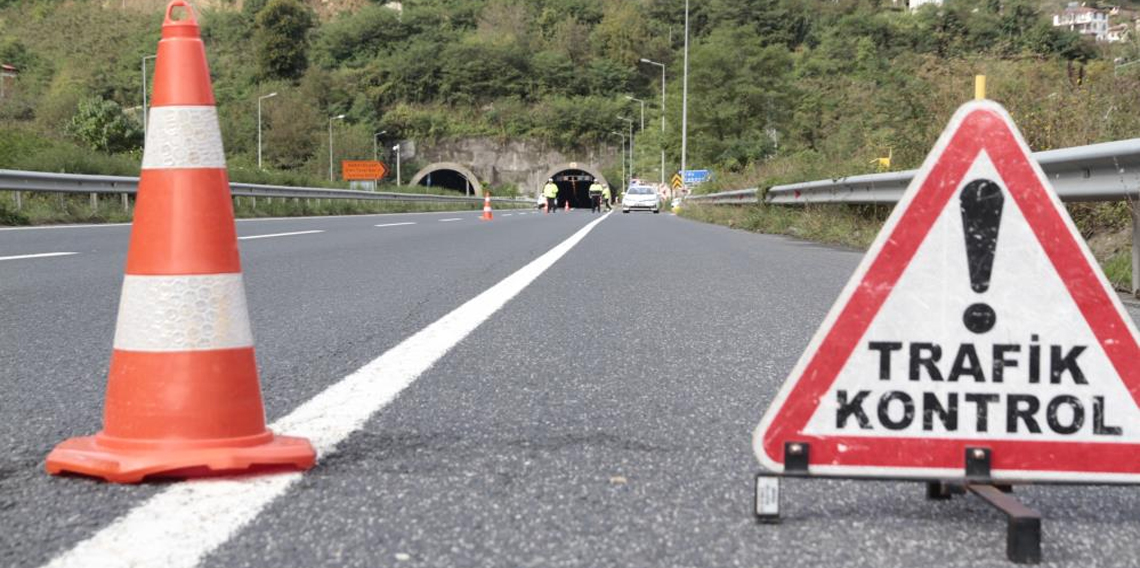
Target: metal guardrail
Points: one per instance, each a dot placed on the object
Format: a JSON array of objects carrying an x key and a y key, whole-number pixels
[
  {"x": 1097, "y": 172},
  {"x": 15, "y": 180}
]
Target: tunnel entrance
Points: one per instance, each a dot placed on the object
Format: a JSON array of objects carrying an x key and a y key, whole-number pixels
[
  {"x": 448, "y": 179},
  {"x": 574, "y": 187}
]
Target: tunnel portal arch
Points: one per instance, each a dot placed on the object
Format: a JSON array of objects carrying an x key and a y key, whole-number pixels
[
  {"x": 573, "y": 180},
  {"x": 423, "y": 175}
]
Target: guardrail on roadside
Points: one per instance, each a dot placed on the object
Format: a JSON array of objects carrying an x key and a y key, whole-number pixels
[
  {"x": 1097, "y": 172},
  {"x": 19, "y": 181}
]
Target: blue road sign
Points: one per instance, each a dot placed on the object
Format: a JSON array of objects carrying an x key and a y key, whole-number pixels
[{"x": 693, "y": 177}]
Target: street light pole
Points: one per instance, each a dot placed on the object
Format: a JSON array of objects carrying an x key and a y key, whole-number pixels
[
  {"x": 662, "y": 66},
  {"x": 145, "y": 57},
  {"x": 630, "y": 121},
  {"x": 331, "y": 119},
  {"x": 642, "y": 110},
  {"x": 623, "y": 184},
  {"x": 375, "y": 145},
  {"x": 685, "y": 103},
  {"x": 396, "y": 148},
  {"x": 259, "y": 99}
]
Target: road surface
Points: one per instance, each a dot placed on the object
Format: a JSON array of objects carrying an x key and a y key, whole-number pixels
[{"x": 596, "y": 413}]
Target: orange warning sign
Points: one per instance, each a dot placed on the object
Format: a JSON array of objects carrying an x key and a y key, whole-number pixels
[{"x": 362, "y": 169}]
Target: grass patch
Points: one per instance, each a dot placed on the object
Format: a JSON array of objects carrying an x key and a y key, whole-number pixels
[{"x": 857, "y": 225}]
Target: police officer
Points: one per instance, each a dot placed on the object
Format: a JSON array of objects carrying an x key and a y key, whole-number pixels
[
  {"x": 550, "y": 191},
  {"x": 595, "y": 197},
  {"x": 606, "y": 196}
]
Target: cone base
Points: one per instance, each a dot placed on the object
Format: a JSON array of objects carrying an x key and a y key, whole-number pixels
[{"x": 86, "y": 456}]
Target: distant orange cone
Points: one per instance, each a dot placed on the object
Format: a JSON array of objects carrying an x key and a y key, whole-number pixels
[
  {"x": 486, "y": 207},
  {"x": 182, "y": 394},
  {"x": 567, "y": 205}
]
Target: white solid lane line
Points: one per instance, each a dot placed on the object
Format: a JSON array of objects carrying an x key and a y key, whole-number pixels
[
  {"x": 40, "y": 255},
  {"x": 509, "y": 214},
  {"x": 395, "y": 224},
  {"x": 451, "y": 219},
  {"x": 179, "y": 526},
  {"x": 278, "y": 235}
]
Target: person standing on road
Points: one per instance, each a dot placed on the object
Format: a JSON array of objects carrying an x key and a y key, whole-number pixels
[
  {"x": 595, "y": 197},
  {"x": 607, "y": 197},
  {"x": 550, "y": 191}
]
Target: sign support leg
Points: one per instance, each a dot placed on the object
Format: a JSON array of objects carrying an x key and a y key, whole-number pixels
[{"x": 1023, "y": 534}]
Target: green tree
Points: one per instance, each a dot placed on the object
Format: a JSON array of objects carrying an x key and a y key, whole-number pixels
[
  {"x": 281, "y": 39},
  {"x": 102, "y": 125}
]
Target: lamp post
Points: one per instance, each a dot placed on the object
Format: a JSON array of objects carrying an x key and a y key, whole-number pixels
[
  {"x": 259, "y": 99},
  {"x": 396, "y": 149},
  {"x": 145, "y": 57},
  {"x": 630, "y": 121},
  {"x": 662, "y": 66},
  {"x": 623, "y": 184},
  {"x": 375, "y": 145},
  {"x": 635, "y": 99},
  {"x": 685, "y": 103},
  {"x": 331, "y": 119}
]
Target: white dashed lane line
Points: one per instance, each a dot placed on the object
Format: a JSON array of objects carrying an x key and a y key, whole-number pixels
[
  {"x": 40, "y": 255},
  {"x": 451, "y": 219},
  {"x": 395, "y": 224},
  {"x": 278, "y": 235}
]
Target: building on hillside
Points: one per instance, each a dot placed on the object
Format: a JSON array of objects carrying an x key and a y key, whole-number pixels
[
  {"x": 914, "y": 5},
  {"x": 1119, "y": 32},
  {"x": 7, "y": 72},
  {"x": 1089, "y": 22}
]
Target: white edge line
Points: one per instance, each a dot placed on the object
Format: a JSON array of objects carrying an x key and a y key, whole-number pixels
[
  {"x": 179, "y": 526},
  {"x": 39, "y": 255},
  {"x": 395, "y": 224},
  {"x": 242, "y": 220},
  {"x": 278, "y": 235},
  {"x": 452, "y": 219}
]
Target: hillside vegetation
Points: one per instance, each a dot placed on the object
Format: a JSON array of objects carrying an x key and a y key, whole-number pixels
[{"x": 779, "y": 89}]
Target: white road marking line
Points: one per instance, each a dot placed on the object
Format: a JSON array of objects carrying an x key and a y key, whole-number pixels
[
  {"x": 278, "y": 235},
  {"x": 508, "y": 214},
  {"x": 40, "y": 255},
  {"x": 250, "y": 220},
  {"x": 179, "y": 526},
  {"x": 451, "y": 219},
  {"x": 395, "y": 224}
]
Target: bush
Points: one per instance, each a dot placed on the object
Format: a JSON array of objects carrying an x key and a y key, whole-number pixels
[{"x": 102, "y": 125}]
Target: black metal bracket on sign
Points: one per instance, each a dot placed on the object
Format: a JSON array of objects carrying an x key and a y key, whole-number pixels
[{"x": 1023, "y": 533}]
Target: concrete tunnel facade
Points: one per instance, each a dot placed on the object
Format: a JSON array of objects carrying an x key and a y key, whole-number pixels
[
  {"x": 450, "y": 175},
  {"x": 573, "y": 180}
]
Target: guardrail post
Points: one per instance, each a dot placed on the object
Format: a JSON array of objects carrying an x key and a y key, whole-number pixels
[
  {"x": 1135, "y": 206},
  {"x": 94, "y": 202},
  {"x": 19, "y": 202},
  {"x": 126, "y": 204}
]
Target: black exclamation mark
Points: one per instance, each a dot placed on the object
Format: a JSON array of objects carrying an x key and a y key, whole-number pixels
[{"x": 981, "y": 202}]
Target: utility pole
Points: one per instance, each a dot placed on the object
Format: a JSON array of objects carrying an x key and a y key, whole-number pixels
[
  {"x": 630, "y": 121},
  {"x": 623, "y": 183}
]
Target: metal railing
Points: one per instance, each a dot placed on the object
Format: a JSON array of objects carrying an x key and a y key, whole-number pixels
[
  {"x": 1097, "y": 172},
  {"x": 21, "y": 181}
]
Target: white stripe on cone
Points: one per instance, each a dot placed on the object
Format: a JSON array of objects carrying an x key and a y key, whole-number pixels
[
  {"x": 183, "y": 313},
  {"x": 183, "y": 137}
]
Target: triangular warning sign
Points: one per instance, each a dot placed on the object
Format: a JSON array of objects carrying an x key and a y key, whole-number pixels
[{"x": 977, "y": 319}]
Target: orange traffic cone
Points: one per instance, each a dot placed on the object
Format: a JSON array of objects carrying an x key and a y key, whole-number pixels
[
  {"x": 567, "y": 205},
  {"x": 182, "y": 393},
  {"x": 486, "y": 207}
]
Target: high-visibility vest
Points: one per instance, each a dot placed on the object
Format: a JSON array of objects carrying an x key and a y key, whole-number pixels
[
  {"x": 550, "y": 190},
  {"x": 606, "y": 191},
  {"x": 596, "y": 188}
]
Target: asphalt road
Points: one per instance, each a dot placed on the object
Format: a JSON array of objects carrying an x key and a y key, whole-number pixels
[{"x": 602, "y": 417}]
